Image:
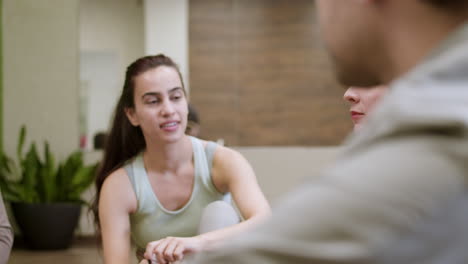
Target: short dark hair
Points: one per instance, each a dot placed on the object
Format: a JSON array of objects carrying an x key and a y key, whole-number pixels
[
  {"x": 193, "y": 114},
  {"x": 453, "y": 5},
  {"x": 100, "y": 140}
]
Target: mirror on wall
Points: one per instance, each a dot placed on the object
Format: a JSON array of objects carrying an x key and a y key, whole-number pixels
[
  {"x": 111, "y": 37},
  {"x": 99, "y": 90}
]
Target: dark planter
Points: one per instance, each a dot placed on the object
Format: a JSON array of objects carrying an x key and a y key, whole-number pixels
[{"x": 47, "y": 226}]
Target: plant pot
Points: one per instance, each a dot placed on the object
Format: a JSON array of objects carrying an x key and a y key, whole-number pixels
[{"x": 47, "y": 226}]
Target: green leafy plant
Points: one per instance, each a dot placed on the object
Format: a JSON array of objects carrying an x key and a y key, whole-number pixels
[{"x": 35, "y": 180}]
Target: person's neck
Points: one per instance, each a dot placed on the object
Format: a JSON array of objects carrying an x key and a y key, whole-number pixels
[
  {"x": 411, "y": 39},
  {"x": 168, "y": 156}
]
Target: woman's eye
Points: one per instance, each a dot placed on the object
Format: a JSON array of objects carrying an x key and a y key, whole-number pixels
[{"x": 151, "y": 101}]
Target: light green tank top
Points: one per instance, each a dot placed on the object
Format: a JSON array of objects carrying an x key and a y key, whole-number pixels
[{"x": 152, "y": 221}]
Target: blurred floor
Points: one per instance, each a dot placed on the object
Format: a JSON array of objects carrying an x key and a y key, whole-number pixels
[{"x": 82, "y": 251}]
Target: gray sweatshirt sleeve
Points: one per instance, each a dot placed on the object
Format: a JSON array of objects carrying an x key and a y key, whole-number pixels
[
  {"x": 6, "y": 234},
  {"x": 366, "y": 210}
]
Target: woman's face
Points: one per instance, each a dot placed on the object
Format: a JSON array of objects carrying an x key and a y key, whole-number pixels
[
  {"x": 160, "y": 104},
  {"x": 362, "y": 101}
]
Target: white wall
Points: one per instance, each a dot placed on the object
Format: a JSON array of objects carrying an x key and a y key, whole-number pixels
[
  {"x": 113, "y": 26},
  {"x": 166, "y": 31},
  {"x": 280, "y": 169},
  {"x": 40, "y": 56}
]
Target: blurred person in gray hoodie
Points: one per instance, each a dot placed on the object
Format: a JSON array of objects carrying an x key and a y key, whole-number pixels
[{"x": 398, "y": 192}]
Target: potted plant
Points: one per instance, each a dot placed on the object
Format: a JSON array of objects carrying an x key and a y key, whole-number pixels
[{"x": 45, "y": 196}]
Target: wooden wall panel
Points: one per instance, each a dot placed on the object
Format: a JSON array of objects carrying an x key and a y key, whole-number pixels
[
  {"x": 213, "y": 89},
  {"x": 259, "y": 75}
]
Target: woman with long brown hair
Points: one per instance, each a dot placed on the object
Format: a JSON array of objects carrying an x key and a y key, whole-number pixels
[{"x": 155, "y": 181}]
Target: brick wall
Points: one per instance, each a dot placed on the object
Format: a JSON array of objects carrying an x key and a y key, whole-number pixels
[{"x": 260, "y": 76}]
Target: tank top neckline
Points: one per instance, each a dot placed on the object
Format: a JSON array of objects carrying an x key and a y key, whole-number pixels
[{"x": 194, "y": 186}]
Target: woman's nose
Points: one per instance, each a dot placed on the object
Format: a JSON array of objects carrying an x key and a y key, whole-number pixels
[
  {"x": 167, "y": 108},
  {"x": 351, "y": 95}
]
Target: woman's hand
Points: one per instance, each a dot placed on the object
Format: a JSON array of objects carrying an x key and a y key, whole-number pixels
[{"x": 171, "y": 249}]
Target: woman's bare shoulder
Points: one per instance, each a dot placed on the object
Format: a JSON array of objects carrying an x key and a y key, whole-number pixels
[
  {"x": 117, "y": 186},
  {"x": 117, "y": 177}
]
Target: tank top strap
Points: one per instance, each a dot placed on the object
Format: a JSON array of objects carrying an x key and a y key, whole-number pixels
[
  {"x": 203, "y": 157},
  {"x": 143, "y": 191},
  {"x": 129, "y": 170},
  {"x": 199, "y": 158},
  {"x": 210, "y": 149},
  {"x": 209, "y": 152}
]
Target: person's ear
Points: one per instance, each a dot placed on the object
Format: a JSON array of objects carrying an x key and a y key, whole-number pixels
[{"x": 130, "y": 113}]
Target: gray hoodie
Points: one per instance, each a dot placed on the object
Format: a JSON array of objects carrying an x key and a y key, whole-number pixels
[{"x": 397, "y": 194}]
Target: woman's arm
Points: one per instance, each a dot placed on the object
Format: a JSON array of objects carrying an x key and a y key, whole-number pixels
[
  {"x": 230, "y": 173},
  {"x": 117, "y": 201}
]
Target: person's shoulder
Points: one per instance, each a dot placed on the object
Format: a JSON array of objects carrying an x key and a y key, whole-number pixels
[
  {"x": 227, "y": 158},
  {"x": 117, "y": 180},
  {"x": 118, "y": 186},
  {"x": 117, "y": 174},
  {"x": 399, "y": 164}
]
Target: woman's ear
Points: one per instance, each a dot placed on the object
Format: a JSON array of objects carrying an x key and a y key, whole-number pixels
[{"x": 130, "y": 113}]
